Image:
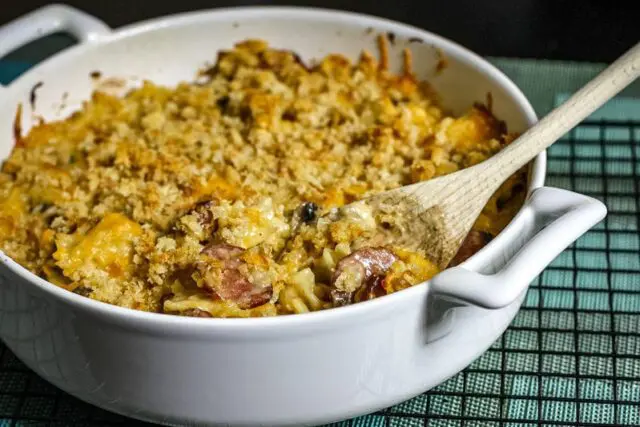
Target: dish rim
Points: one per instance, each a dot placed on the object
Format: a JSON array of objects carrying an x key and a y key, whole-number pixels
[{"x": 125, "y": 316}]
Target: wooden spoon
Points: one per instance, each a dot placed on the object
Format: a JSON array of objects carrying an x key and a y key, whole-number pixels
[{"x": 433, "y": 217}]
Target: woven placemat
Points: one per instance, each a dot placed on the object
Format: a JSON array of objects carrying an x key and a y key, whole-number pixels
[{"x": 572, "y": 354}]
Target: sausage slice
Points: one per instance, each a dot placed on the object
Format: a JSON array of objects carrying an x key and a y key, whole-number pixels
[
  {"x": 362, "y": 272},
  {"x": 229, "y": 283}
]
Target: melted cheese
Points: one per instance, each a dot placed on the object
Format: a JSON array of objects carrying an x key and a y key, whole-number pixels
[
  {"x": 106, "y": 247},
  {"x": 12, "y": 210}
]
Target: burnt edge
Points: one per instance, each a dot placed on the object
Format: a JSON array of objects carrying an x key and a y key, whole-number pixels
[
  {"x": 17, "y": 126},
  {"x": 33, "y": 94}
]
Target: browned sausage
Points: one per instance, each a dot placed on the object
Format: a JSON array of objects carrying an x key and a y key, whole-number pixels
[
  {"x": 370, "y": 265},
  {"x": 474, "y": 241},
  {"x": 232, "y": 285},
  {"x": 222, "y": 251},
  {"x": 374, "y": 288}
]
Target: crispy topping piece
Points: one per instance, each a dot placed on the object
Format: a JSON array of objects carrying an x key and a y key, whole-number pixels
[{"x": 204, "y": 216}]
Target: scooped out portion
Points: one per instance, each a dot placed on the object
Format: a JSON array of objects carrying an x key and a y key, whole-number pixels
[{"x": 232, "y": 195}]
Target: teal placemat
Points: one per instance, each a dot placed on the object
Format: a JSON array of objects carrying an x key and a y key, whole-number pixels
[{"x": 572, "y": 354}]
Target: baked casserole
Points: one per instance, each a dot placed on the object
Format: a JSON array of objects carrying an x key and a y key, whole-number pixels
[{"x": 225, "y": 196}]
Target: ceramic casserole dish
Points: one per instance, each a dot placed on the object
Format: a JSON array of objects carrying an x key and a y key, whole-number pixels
[{"x": 308, "y": 368}]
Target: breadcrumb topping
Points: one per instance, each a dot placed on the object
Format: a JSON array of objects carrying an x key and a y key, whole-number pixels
[{"x": 210, "y": 198}]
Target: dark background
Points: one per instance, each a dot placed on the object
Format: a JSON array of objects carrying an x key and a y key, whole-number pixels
[{"x": 597, "y": 31}]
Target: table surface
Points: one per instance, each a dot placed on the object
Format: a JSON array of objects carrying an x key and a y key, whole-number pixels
[{"x": 572, "y": 354}]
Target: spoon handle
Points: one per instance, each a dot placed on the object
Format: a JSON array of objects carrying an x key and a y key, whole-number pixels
[{"x": 554, "y": 125}]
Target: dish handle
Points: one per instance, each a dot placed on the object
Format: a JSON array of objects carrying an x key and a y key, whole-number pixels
[
  {"x": 48, "y": 20},
  {"x": 554, "y": 219}
]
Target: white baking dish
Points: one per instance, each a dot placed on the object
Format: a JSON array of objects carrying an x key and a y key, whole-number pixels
[{"x": 302, "y": 369}]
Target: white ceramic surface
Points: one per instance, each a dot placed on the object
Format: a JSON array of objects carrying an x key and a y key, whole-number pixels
[{"x": 303, "y": 369}]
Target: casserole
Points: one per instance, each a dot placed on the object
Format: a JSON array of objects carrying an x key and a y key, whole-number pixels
[
  {"x": 303, "y": 369},
  {"x": 234, "y": 195}
]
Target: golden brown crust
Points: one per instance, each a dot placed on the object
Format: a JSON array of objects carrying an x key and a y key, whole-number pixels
[
  {"x": 118, "y": 202},
  {"x": 383, "y": 46},
  {"x": 17, "y": 126}
]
